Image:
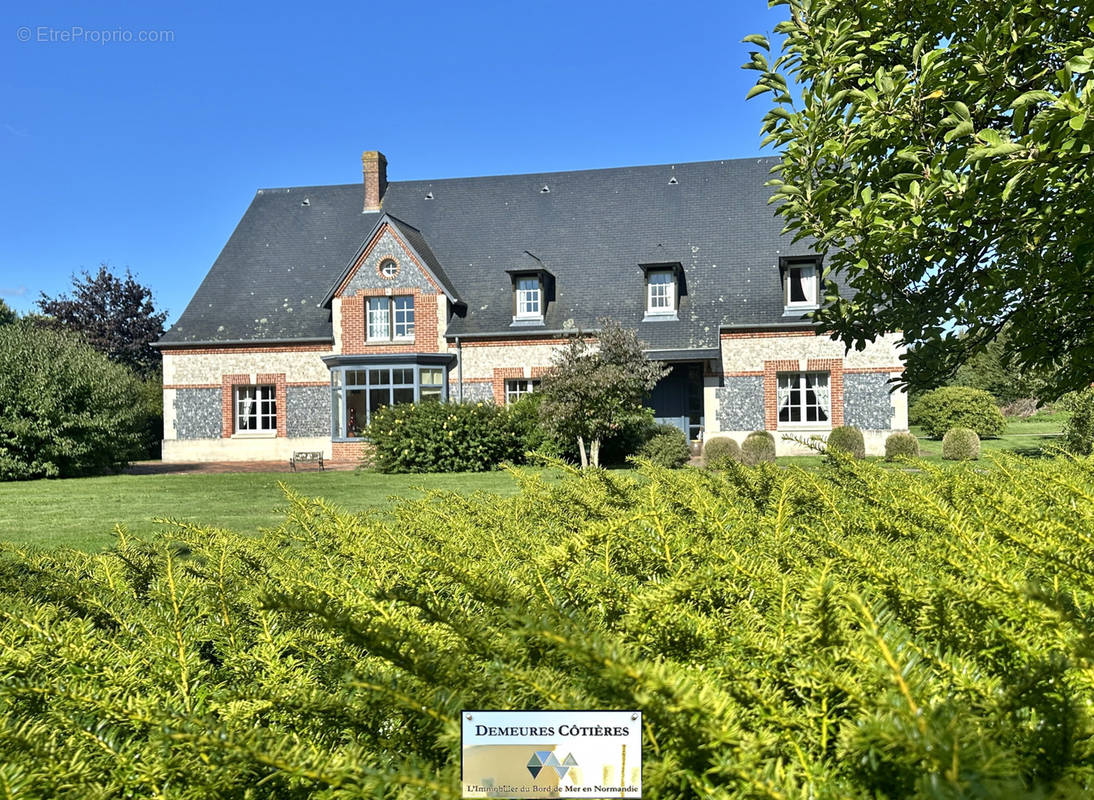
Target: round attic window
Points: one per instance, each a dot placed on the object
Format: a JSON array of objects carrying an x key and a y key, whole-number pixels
[{"x": 389, "y": 268}]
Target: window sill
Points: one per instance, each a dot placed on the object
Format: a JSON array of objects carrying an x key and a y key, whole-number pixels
[
  {"x": 387, "y": 342},
  {"x": 255, "y": 435},
  {"x": 661, "y": 316},
  {"x": 527, "y": 321},
  {"x": 797, "y": 311}
]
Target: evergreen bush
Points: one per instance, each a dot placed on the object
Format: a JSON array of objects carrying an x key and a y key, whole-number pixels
[
  {"x": 851, "y": 632},
  {"x": 960, "y": 444},
  {"x": 443, "y": 437},
  {"x": 847, "y": 439},
  {"x": 721, "y": 449},
  {"x": 939, "y": 410},
  {"x": 758, "y": 448},
  {"x": 1078, "y": 434},
  {"x": 65, "y": 409},
  {"x": 667, "y": 447},
  {"x": 524, "y": 415},
  {"x": 899, "y": 445}
]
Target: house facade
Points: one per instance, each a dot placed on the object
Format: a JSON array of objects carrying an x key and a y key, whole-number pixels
[{"x": 329, "y": 302}]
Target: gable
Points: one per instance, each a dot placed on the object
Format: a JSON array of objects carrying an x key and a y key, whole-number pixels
[{"x": 386, "y": 245}]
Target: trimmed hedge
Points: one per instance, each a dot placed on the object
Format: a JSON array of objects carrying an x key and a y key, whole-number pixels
[
  {"x": 719, "y": 450},
  {"x": 785, "y": 633},
  {"x": 668, "y": 447},
  {"x": 443, "y": 437},
  {"x": 758, "y": 448},
  {"x": 899, "y": 445},
  {"x": 847, "y": 439},
  {"x": 960, "y": 444},
  {"x": 958, "y": 407}
]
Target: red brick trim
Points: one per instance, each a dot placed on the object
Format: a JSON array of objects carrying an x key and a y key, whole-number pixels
[
  {"x": 834, "y": 367},
  {"x": 348, "y": 451},
  {"x": 191, "y": 386},
  {"x": 248, "y": 349},
  {"x": 368, "y": 251},
  {"x": 307, "y": 383},
  {"x": 746, "y": 374},
  {"x": 500, "y": 376},
  {"x": 870, "y": 370},
  {"x": 539, "y": 372},
  {"x": 762, "y": 334},
  {"x": 771, "y": 390},
  {"x": 355, "y": 324},
  {"x": 508, "y": 341},
  {"x": 227, "y": 410},
  {"x": 278, "y": 380},
  {"x": 227, "y": 383}
]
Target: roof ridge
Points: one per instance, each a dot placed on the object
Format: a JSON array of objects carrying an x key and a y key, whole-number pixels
[{"x": 425, "y": 181}]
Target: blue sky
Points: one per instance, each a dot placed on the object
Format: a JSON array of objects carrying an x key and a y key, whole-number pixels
[{"x": 145, "y": 154}]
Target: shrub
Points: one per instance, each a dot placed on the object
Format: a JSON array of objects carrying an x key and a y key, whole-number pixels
[
  {"x": 958, "y": 407},
  {"x": 960, "y": 444},
  {"x": 847, "y": 439},
  {"x": 746, "y": 614},
  {"x": 1078, "y": 435},
  {"x": 443, "y": 437},
  {"x": 720, "y": 450},
  {"x": 758, "y": 448},
  {"x": 524, "y": 416},
  {"x": 65, "y": 409},
  {"x": 668, "y": 447},
  {"x": 901, "y": 445}
]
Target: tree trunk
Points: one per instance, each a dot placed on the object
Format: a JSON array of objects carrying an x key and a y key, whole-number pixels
[
  {"x": 584, "y": 455},
  {"x": 594, "y": 447}
]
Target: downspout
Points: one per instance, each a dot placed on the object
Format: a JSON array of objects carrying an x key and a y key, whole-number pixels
[{"x": 459, "y": 370}]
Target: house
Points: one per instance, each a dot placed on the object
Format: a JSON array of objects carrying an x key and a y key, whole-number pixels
[{"x": 330, "y": 301}]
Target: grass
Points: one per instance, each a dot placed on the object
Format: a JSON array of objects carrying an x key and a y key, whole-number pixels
[{"x": 81, "y": 512}]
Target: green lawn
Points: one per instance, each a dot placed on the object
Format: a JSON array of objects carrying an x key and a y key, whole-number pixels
[{"x": 82, "y": 512}]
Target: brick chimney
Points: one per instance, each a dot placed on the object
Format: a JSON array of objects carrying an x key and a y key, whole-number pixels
[{"x": 374, "y": 166}]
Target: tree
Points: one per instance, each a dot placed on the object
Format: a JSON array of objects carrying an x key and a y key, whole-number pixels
[
  {"x": 116, "y": 317},
  {"x": 596, "y": 388},
  {"x": 939, "y": 154},
  {"x": 65, "y": 409},
  {"x": 7, "y": 314}
]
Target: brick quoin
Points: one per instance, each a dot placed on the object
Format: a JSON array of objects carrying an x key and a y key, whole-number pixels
[
  {"x": 251, "y": 349},
  {"x": 771, "y": 390},
  {"x": 539, "y": 372},
  {"x": 500, "y": 376},
  {"x": 278, "y": 380},
  {"x": 767, "y": 334},
  {"x": 834, "y": 367},
  {"x": 355, "y": 328},
  {"x": 227, "y": 382}
]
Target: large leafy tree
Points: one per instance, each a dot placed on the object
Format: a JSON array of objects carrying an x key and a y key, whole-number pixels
[
  {"x": 939, "y": 152},
  {"x": 597, "y": 388},
  {"x": 116, "y": 317},
  {"x": 7, "y": 313}
]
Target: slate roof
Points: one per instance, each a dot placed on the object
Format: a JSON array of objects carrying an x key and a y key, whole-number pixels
[{"x": 590, "y": 229}]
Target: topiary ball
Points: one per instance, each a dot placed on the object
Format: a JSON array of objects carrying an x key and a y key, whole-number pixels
[
  {"x": 668, "y": 447},
  {"x": 939, "y": 410},
  {"x": 720, "y": 450},
  {"x": 960, "y": 444},
  {"x": 901, "y": 444},
  {"x": 847, "y": 439},
  {"x": 758, "y": 448}
]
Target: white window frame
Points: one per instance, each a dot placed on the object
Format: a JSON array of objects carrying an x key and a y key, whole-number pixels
[
  {"x": 810, "y": 283},
  {"x": 802, "y": 383},
  {"x": 516, "y": 388},
  {"x": 387, "y": 322},
  {"x": 529, "y": 297},
  {"x": 660, "y": 294},
  {"x": 254, "y": 409}
]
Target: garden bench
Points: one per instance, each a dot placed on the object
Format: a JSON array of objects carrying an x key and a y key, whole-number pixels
[{"x": 302, "y": 456}]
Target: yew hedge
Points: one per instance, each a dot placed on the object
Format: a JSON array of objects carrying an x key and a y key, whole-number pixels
[{"x": 849, "y": 633}]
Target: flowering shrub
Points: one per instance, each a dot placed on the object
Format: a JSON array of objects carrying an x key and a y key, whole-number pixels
[
  {"x": 442, "y": 437},
  {"x": 844, "y": 633}
]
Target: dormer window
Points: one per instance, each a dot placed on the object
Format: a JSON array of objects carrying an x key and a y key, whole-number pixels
[
  {"x": 529, "y": 297},
  {"x": 660, "y": 292},
  {"x": 801, "y": 285}
]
